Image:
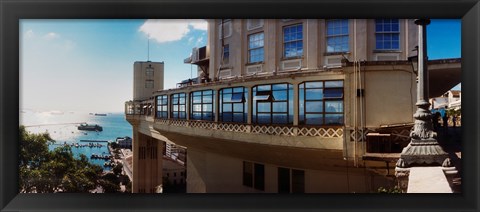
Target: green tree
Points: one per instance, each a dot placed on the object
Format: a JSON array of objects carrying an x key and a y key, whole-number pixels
[
  {"x": 110, "y": 183},
  {"x": 44, "y": 171},
  {"x": 117, "y": 170}
]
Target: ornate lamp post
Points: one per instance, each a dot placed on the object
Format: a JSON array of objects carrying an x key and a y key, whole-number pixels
[{"x": 423, "y": 148}]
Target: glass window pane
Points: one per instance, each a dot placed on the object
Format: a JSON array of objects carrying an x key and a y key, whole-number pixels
[
  {"x": 226, "y": 90},
  {"x": 331, "y": 84},
  {"x": 263, "y": 107},
  {"x": 207, "y": 116},
  {"x": 207, "y": 108},
  {"x": 279, "y": 119},
  {"x": 183, "y": 115},
  {"x": 316, "y": 106},
  {"x": 207, "y": 92},
  {"x": 280, "y": 107},
  {"x": 197, "y": 116},
  {"x": 197, "y": 99},
  {"x": 238, "y": 107},
  {"x": 207, "y": 99},
  {"x": 263, "y": 118},
  {"x": 227, "y": 97},
  {"x": 333, "y": 93},
  {"x": 227, "y": 108},
  {"x": 334, "y": 119},
  {"x": 395, "y": 27},
  {"x": 263, "y": 87},
  {"x": 279, "y": 95},
  {"x": 197, "y": 108},
  {"x": 334, "y": 106},
  {"x": 279, "y": 86},
  {"x": 237, "y": 97},
  {"x": 238, "y": 118},
  {"x": 314, "y": 119},
  {"x": 226, "y": 117},
  {"x": 395, "y": 45},
  {"x": 314, "y": 84},
  {"x": 238, "y": 89},
  {"x": 182, "y": 108},
  {"x": 314, "y": 94}
]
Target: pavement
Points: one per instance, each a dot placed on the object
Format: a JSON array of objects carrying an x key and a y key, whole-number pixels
[
  {"x": 428, "y": 180},
  {"x": 451, "y": 141}
]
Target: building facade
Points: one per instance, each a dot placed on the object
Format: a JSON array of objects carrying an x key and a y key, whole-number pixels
[{"x": 289, "y": 105}]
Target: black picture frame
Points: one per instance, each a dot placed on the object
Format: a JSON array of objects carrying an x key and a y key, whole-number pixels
[{"x": 11, "y": 11}]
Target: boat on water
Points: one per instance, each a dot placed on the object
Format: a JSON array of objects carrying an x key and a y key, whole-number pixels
[
  {"x": 100, "y": 114},
  {"x": 88, "y": 127}
]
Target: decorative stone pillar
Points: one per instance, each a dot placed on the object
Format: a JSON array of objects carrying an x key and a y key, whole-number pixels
[{"x": 423, "y": 148}]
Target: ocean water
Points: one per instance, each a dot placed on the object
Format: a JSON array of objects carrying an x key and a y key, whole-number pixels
[{"x": 62, "y": 127}]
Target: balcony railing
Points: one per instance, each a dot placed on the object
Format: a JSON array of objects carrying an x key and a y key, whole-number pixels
[{"x": 325, "y": 132}]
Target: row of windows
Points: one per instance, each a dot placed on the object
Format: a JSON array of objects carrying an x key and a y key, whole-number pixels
[
  {"x": 387, "y": 37},
  {"x": 289, "y": 180},
  {"x": 320, "y": 103},
  {"x": 175, "y": 174}
]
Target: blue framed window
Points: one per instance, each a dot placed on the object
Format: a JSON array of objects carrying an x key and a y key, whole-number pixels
[
  {"x": 321, "y": 103},
  {"x": 255, "y": 48},
  {"x": 162, "y": 106},
  {"x": 226, "y": 53},
  {"x": 293, "y": 41},
  {"x": 179, "y": 107},
  {"x": 387, "y": 34},
  {"x": 202, "y": 105},
  {"x": 233, "y": 104},
  {"x": 337, "y": 35},
  {"x": 273, "y": 104}
]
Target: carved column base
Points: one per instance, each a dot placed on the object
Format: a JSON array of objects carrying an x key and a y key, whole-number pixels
[
  {"x": 402, "y": 175},
  {"x": 423, "y": 152}
]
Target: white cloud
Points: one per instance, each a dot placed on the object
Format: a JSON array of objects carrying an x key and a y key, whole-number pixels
[
  {"x": 190, "y": 40},
  {"x": 199, "y": 41},
  {"x": 29, "y": 34},
  {"x": 199, "y": 24},
  {"x": 51, "y": 36},
  {"x": 170, "y": 30}
]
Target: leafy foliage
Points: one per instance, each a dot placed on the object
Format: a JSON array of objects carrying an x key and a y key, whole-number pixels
[
  {"x": 393, "y": 190},
  {"x": 44, "y": 171},
  {"x": 110, "y": 183}
]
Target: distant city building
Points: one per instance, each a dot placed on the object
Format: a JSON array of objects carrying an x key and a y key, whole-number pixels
[
  {"x": 147, "y": 78},
  {"x": 288, "y": 106},
  {"x": 174, "y": 172},
  {"x": 452, "y": 99},
  {"x": 124, "y": 142}
]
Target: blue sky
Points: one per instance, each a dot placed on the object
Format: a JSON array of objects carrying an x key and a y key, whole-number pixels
[{"x": 87, "y": 65}]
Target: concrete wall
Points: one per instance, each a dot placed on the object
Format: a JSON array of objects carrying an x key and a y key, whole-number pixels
[
  {"x": 361, "y": 44},
  {"x": 140, "y": 92},
  {"x": 389, "y": 95},
  {"x": 215, "y": 173},
  {"x": 147, "y": 163}
]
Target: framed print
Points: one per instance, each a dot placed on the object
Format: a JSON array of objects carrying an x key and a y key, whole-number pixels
[{"x": 161, "y": 105}]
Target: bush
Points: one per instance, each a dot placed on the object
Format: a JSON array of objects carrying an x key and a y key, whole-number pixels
[{"x": 393, "y": 190}]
